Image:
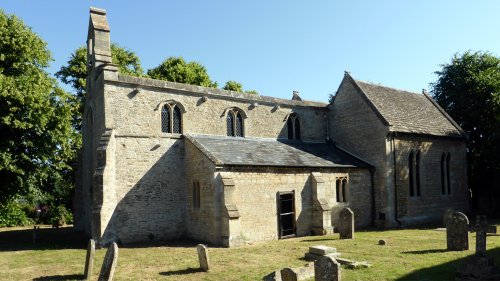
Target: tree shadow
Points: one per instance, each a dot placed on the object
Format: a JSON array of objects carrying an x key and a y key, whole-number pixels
[
  {"x": 318, "y": 240},
  {"x": 181, "y": 271},
  {"x": 423, "y": 252},
  {"x": 46, "y": 239},
  {"x": 445, "y": 271},
  {"x": 60, "y": 277}
]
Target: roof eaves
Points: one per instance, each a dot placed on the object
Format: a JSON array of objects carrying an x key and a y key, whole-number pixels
[
  {"x": 355, "y": 156},
  {"x": 368, "y": 101},
  {"x": 464, "y": 134},
  {"x": 203, "y": 150}
]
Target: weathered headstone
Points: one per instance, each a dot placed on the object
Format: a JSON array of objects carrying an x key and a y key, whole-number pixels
[
  {"x": 447, "y": 215},
  {"x": 288, "y": 274},
  {"x": 89, "y": 261},
  {"x": 481, "y": 228},
  {"x": 346, "y": 224},
  {"x": 326, "y": 269},
  {"x": 203, "y": 257},
  {"x": 457, "y": 232},
  {"x": 109, "y": 263}
]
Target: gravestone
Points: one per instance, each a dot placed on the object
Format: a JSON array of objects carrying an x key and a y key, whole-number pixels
[
  {"x": 203, "y": 257},
  {"x": 457, "y": 232},
  {"x": 481, "y": 228},
  {"x": 447, "y": 215},
  {"x": 89, "y": 261},
  {"x": 346, "y": 224},
  {"x": 288, "y": 274},
  {"x": 326, "y": 269},
  {"x": 109, "y": 263}
]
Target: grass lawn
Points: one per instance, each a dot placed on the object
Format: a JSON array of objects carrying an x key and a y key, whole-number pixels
[{"x": 410, "y": 254}]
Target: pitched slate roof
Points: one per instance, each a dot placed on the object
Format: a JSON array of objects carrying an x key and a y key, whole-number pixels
[
  {"x": 235, "y": 151},
  {"x": 409, "y": 112}
]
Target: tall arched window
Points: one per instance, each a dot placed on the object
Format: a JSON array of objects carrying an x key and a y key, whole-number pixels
[
  {"x": 443, "y": 173},
  {"x": 411, "y": 167},
  {"x": 341, "y": 190},
  {"x": 448, "y": 182},
  {"x": 171, "y": 118},
  {"x": 293, "y": 127},
  {"x": 417, "y": 170},
  {"x": 234, "y": 123}
]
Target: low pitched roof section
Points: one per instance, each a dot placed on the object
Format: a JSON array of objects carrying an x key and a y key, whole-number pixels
[
  {"x": 236, "y": 151},
  {"x": 408, "y": 112}
]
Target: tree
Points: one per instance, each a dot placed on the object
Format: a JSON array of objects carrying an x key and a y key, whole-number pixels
[
  {"x": 233, "y": 86},
  {"x": 468, "y": 88},
  {"x": 176, "y": 69},
  {"x": 74, "y": 73},
  {"x": 37, "y": 141}
]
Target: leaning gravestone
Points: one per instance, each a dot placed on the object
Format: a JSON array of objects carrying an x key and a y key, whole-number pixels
[
  {"x": 109, "y": 263},
  {"x": 203, "y": 257},
  {"x": 457, "y": 232},
  {"x": 89, "y": 261},
  {"x": 346, "y": 224},
  {"x": 288, "y": 274},
  {"x": 326, "y": 269}
]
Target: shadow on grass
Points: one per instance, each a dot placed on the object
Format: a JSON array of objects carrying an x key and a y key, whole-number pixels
[
  {"x": 322, "y": 239},
  {"x": 46, "y": 239},
  {"x": 182, "y": 271},
  {"x": 445, "y": 271},
  {"x": 423, "y": 252},
  {"x": 60, "y": 277}
]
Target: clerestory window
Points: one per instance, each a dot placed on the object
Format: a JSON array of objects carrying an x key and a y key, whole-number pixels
[
  {"x": 234, "y": 123},
  {"x": 171, "y": 119},
  {"x": 293, "y": 127}
]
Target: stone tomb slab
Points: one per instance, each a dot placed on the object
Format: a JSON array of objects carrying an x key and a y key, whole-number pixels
[{"x": 322, "y": 250}]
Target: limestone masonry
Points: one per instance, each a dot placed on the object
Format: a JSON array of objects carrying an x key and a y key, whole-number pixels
[{"x": 164, "y": 160}]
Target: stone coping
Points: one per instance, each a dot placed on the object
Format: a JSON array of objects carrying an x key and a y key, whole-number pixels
[{"x": 148, "y": 83}]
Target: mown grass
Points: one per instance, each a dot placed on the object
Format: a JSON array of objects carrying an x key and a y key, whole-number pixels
[{"x": 59, "y": 254}]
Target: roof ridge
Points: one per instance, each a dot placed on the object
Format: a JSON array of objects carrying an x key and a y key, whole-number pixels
[{"x": 384, "y": 86}]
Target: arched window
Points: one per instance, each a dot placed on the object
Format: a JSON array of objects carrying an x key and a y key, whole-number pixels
[
  {"x": 234, "y": 123},
  {"x": 171, "y": 118},
  {"x": 411, "y": 160},
  {"x": 338, "y": 183},
  {"x": 417, "y": 174},
  {"x": 448, "y": 172},
  {"x": 165, "y": 119},
  {"x": 293, "y": 127},
  {"x": 443, "y": 173},
  {"x": 341, "y": 190},
  {"x": 344, "y": 190},
  {"x": 289, "y": 126}
]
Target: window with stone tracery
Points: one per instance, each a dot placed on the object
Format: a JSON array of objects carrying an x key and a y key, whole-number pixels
[
  {"x": 234, "y": 123},
  {"x": 341, "y": 190},
  {"x": 171, "y": 119},
  {"x": 293, "y": 127}
]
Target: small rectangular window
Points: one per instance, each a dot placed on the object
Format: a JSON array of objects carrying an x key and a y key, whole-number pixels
[{"x": 196, "y": 195}]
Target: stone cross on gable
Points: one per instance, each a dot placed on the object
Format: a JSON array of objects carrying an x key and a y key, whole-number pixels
[{"x": 481, "y": 228}]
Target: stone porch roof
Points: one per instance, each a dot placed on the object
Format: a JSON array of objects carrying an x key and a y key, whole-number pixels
[
  {"x": 237, "y": 151},
  {"x": 409, "y": 112}
]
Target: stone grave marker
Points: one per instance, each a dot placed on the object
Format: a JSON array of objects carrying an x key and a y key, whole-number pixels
[
  {"x": 457, "y": 232},
  {"x": 203, "y": 257},
  {"x": 346, "y": 224},
  {"x": 288, "y": 274},
  {"x": 109, "y": 263},
  {"x": 89, "y": 261},
  {"x": 326, "y": 269}
]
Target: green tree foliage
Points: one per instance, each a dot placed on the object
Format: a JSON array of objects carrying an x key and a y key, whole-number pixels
[
  {"x": 237, "y": 87},
  {"x": 468, "y": 88},
  {"x": 176, "y": 69},
  {"x": 74, "y": 73},
  {"x": 37, "y": 141},
  {"x": 233, "y": 86}
]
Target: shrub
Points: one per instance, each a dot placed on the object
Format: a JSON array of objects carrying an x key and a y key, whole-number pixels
[{"x": 11, "y": 214}]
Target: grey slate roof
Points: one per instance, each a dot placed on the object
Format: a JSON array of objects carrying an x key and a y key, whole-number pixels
[
  {"x": 235, "y": 151},
  {"x": 410, "y": 112}
]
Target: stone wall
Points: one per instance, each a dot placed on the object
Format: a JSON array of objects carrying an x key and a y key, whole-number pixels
[
  {"x": 256, "y": 191},
  {"x": 203, "y": 223},
  {"x": 432, "y": 203},
  {"x": 355, "y": 127}
]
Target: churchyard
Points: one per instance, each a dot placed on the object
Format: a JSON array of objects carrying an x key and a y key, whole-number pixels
[{"x": 408, "y": 254}]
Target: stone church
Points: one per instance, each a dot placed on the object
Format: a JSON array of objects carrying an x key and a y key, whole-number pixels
[{"x": 164, "y": 160}]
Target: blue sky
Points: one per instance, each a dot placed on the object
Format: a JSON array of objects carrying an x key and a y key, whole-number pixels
[{"x": 276, "y": 47}]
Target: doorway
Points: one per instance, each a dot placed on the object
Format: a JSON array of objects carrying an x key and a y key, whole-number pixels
[{"x": 286, "y": 214}]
